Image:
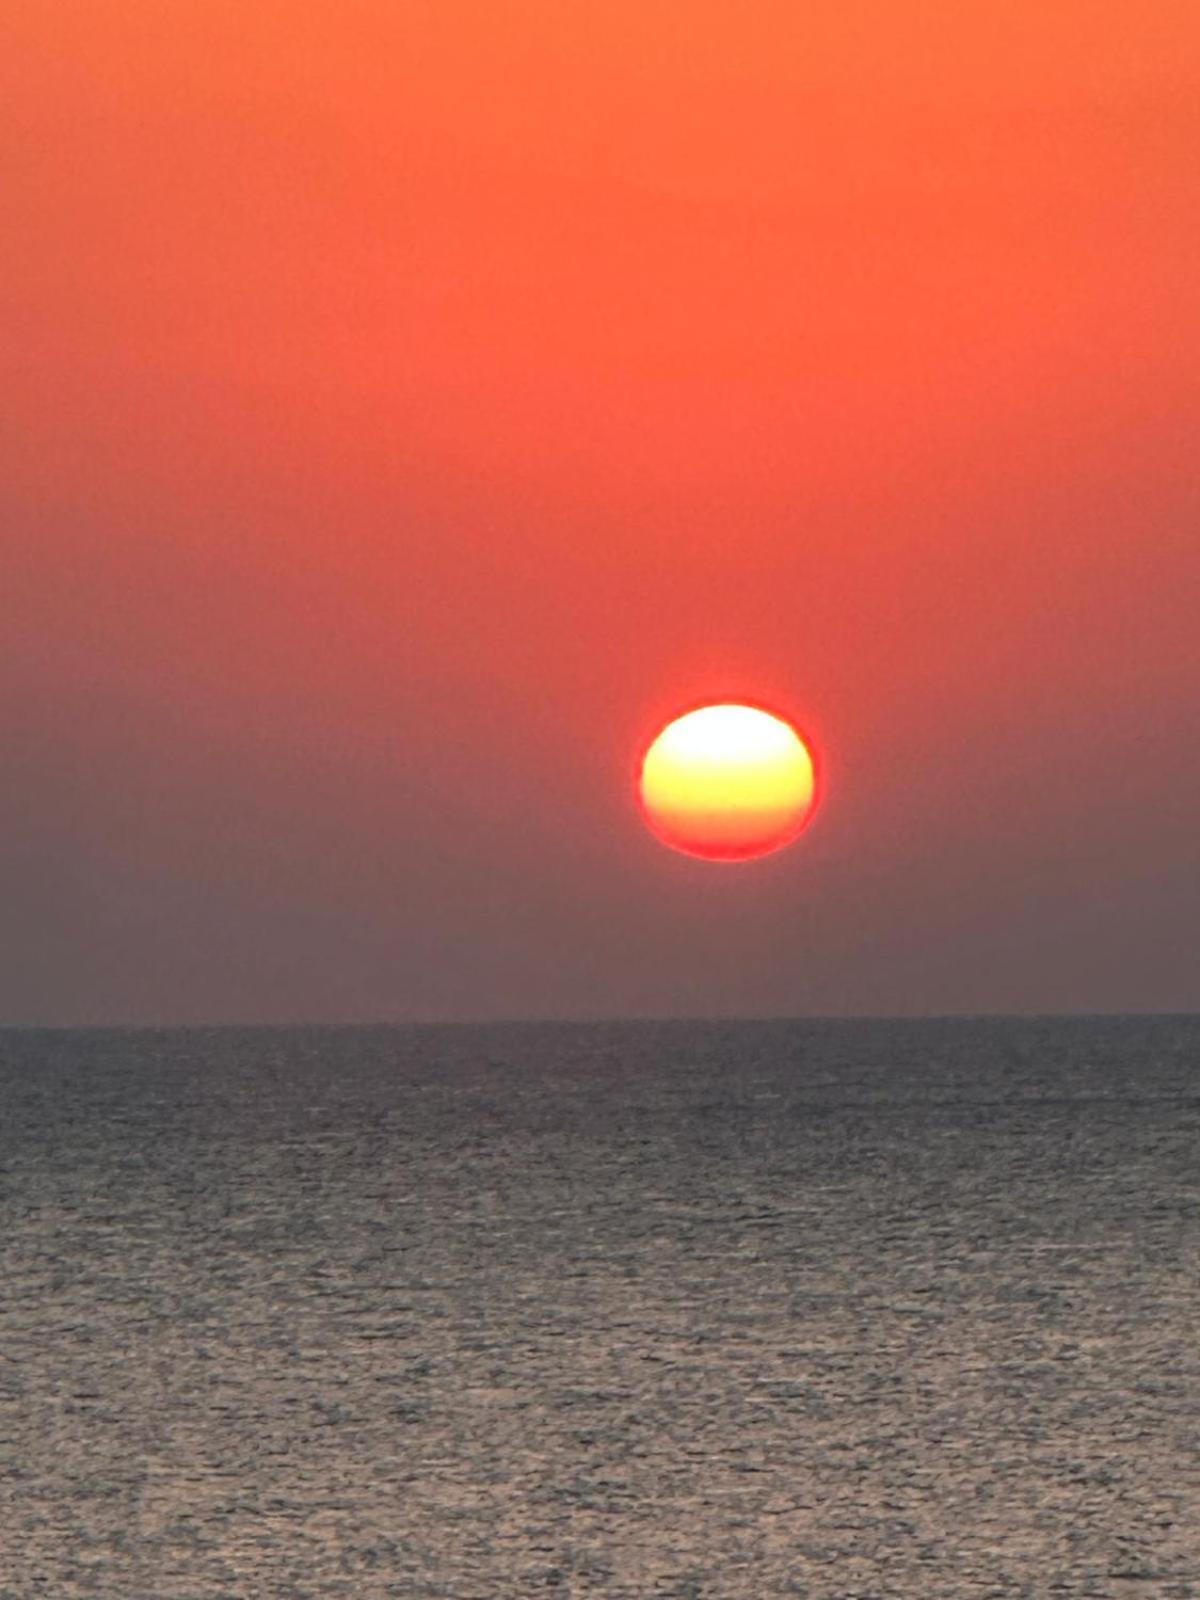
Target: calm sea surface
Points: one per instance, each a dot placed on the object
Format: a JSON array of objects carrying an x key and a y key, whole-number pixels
[{"x": 802, "y": 1309}]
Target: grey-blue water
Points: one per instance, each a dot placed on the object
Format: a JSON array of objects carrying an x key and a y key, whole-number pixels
[{"x": 839, "y": 1309}]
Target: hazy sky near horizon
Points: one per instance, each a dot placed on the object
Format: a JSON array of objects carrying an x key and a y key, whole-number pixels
[{"x": 411, "y": 403}]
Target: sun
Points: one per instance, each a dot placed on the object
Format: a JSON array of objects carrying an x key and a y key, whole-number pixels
[{"x": 727, "y": 782}]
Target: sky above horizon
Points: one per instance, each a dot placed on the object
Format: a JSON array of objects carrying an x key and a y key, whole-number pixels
[{"x": 412, "y": 405}]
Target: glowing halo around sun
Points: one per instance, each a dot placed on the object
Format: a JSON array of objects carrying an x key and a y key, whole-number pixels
[{"x": 727, "y": 782}]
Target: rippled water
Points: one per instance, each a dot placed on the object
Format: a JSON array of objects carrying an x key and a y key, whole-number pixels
[{"x": 805, "y": 1309}]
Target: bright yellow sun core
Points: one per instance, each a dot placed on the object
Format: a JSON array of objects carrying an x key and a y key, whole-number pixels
[{"x": 727, "y": 782}]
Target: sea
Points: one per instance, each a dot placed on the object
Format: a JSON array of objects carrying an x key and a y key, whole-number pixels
[{"x": 847, "y": 1310}]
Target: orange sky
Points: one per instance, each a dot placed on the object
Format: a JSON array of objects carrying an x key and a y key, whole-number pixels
[{"x": 410, "y": 406}]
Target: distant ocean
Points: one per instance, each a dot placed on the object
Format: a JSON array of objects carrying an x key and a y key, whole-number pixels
[{"x": 822, "y": 1309}]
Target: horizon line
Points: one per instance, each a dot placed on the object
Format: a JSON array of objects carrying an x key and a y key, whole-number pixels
[{"x": 597, "y": 1020}]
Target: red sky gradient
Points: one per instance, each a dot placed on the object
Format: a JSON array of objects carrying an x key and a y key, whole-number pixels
[{"x": 409, "y": 406}]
